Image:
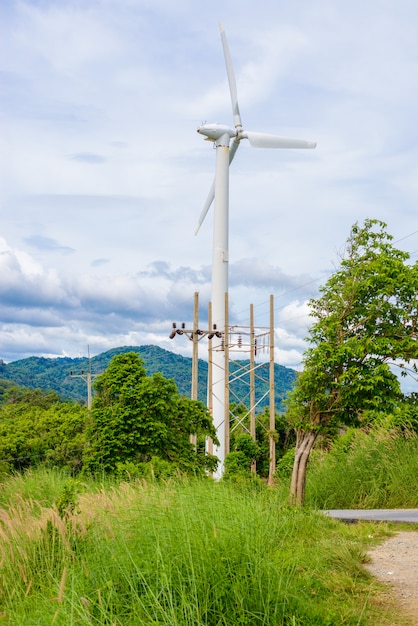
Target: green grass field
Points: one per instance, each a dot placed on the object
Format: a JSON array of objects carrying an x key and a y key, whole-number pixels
[{"x": 180, "y": 553}]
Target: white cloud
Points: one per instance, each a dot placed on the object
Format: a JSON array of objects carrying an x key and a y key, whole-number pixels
[
  {"x": 66, "y": 36},
  {"x": 103, "y": 176}
]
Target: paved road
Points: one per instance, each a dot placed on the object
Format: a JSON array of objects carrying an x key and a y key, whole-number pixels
[{"x": 406, "y": 516}]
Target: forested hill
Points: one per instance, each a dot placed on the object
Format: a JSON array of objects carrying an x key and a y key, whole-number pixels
[{"x": 54, "y": 374}]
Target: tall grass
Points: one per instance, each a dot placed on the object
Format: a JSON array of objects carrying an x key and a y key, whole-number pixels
[
  {"x": 181, "y": 554},
  {"x": 41, "y": 485},
  {"x": 374, "y": 469}
]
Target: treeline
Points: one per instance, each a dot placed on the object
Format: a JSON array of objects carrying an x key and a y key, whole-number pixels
[
  {"x": 138, "y": 424},
  {"x": 134, "y": 418},
  {"x": 55, "y": 374}
]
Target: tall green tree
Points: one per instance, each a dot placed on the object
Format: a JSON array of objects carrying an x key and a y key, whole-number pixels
[
  {"x": 366, "y": 322},
  {"x": 136, "y": 417}
]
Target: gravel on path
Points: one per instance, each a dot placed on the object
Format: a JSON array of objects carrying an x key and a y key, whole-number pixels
[{"x": 395, "y": 563}]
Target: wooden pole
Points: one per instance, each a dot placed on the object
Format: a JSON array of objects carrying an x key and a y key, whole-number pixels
[
  {"x": 252, "y": 373},
  {"x": 272, "y": 438},
  {"x": 209, "y": 443},
  {"x": 226, "y": 367},
  {"x": 252, "y": 382},
  {"x": 195, "y": 358}
]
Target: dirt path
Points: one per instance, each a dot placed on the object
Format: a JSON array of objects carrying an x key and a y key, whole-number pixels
[{"x": 395, "y": 562}]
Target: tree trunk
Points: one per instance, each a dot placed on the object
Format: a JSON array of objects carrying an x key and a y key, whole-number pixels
[{"x": 304, "y": 445}]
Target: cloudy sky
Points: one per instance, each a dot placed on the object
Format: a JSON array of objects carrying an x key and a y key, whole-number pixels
[{"x": 103, "y": 176}]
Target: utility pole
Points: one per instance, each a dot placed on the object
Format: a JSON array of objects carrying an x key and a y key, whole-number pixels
[
  {"x": 230, "y": 340},
  {"x": 226, "y": 375},
  {"x": 252, "y": 383},
  {"x": 87, "y": 377},
  {"x": 209, "y": 442},
  {"x": 272, "y": 430},
  {"x": 195, "y": 334}
]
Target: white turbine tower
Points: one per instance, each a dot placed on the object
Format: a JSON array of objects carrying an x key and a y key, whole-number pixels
[{"x": 221, "y": 136}]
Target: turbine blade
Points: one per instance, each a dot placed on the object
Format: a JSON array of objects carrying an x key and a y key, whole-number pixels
[
  {"x": 211, "y": 194},
  {"x": 264, "y": 140},
  {"x": 231, "y": 78},
  {"x": 206, "y": 207}
]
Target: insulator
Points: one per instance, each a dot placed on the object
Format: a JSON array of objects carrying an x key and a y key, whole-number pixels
[
  {"x": 174, "y": 325},
  {"x": 239, "y": 341},
  {"x": 183, "y": 325}
]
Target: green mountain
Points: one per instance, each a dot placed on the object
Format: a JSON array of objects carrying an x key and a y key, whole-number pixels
[{"x": 55, "y": 374}]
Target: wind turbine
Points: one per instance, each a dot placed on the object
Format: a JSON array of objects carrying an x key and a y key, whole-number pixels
[{"x": 221, "y": 137}]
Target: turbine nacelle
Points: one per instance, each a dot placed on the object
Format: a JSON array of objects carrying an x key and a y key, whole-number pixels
[{"x": 215, "y": 131}]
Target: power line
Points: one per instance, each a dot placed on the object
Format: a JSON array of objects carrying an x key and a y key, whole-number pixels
[
  {"x": 311, "y": 282},
  {"x": 282, "y": 295},
  {"x": 406, "y": 236}
]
